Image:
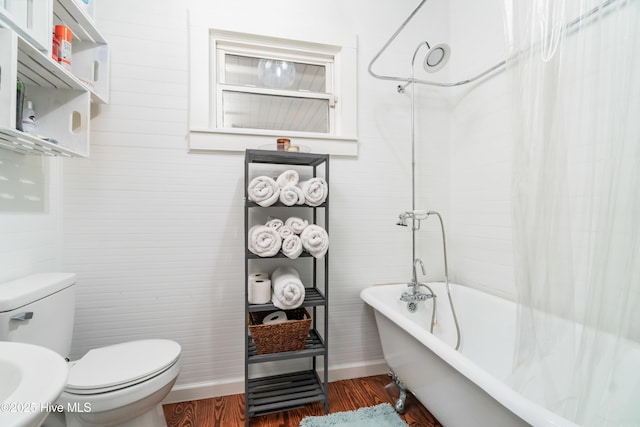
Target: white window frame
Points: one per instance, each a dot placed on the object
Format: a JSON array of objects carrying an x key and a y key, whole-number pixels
[{"x": 205, "y": 120}]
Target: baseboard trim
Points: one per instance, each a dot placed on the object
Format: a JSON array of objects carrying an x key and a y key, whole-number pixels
[
  {"x": 357, "y": 370},
  {"x": 207, "y": 390}
]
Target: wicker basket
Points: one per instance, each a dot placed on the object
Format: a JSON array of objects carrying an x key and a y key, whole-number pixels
[{"x": 278, "y": 337}]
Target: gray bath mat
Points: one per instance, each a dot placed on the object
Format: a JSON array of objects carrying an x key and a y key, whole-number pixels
[{"x": 382, "y": 415}]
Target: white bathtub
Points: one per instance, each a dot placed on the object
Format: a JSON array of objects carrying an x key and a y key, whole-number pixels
[{"x": 463, "y": 388}]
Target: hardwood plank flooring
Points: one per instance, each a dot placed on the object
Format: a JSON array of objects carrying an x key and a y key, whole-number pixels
[{"x": 346, "y": 395}]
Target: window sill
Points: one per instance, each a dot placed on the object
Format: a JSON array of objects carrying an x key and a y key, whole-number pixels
[{"x": 207, "y": 140}]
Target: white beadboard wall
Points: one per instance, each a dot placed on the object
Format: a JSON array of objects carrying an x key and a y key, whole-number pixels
[
  {"x": 30, "y": 242},
  {"x": 156, "y": 234},
  {"x": 481, "y": 152}
]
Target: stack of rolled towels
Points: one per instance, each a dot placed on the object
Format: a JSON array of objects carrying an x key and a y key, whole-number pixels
[
  {"x": 291, "y": 236},
  {"x": 288, "y": 189},
  {"x": 284, "y": 289},
  {"x": 288, "y": 291}
]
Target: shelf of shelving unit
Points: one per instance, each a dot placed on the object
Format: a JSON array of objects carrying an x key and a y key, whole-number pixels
[
  {"x": 62, "y": 98},
  {"x": 38, "y": 69},
  {"x": 90, "y": 57},
  {"x": 62, "y": 101},
  {"x": 33, "y": 21},
  {"x": 285, "y": 158},
  {"x": 281, "y": 205},
  {"x": 23, "y": 143},
  {"x": 283, "y": 392},
  {"x": 314, "y": 346},
  {"x": 30, "y": 19},
  {"x": 286, "y": 391},
  {"x": 313, "y": 297},
  {"x": 77, "y": 19},
  {"x": 251, "y": 255}
]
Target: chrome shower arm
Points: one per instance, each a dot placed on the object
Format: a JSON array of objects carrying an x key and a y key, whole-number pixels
[
  {"x": 409, "y": 80},
  {"x": 386, "y": 45},
  {"x": 486, "y": 72}
]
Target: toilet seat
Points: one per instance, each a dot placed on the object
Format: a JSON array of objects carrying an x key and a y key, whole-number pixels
[{"x": 121, "y": 365}]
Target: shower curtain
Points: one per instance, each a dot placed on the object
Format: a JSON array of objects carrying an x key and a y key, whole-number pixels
[{"x": 576, "y": 205}]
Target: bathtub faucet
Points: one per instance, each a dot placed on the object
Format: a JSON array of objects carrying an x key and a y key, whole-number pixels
[
  {"x": 414, "y": 281},
  {"x": 413, "y": 297}
]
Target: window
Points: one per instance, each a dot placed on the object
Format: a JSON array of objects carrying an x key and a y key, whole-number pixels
[{"x": 262, "y": 88}]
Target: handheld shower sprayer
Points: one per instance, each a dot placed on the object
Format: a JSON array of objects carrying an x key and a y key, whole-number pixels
[{"x": 415, "y": 215}]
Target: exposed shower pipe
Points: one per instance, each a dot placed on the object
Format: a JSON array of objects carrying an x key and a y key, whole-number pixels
[
  {"x": 441, "y": 61},
  {"x": 409, "y": 80},
  {"x": 419, "y": 216},
  {"x": 413, "y": 156}
]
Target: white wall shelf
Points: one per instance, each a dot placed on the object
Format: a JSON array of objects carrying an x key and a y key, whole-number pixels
[
  {"x": 69, "y": 13},
  {"x": 36, "y": 68},
  {"x": 62, "y": 102},
  {"x": 30, "y": 19},
  {"x": 90, "y": 59},
  {"x": 62, "y": 98},
  {"x": 23, "y": 143}
]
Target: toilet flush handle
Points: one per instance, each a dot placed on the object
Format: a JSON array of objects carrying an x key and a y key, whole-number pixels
[{"x": 25, "y": 315}]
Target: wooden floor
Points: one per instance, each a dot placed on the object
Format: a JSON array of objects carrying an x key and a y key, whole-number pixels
[{"x": 347, "y": 395}]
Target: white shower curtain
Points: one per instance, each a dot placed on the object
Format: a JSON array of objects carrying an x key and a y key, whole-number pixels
[{"x": 576, "y": 206}]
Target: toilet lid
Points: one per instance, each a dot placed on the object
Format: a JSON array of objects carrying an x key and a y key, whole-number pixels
[{"x": 119, "y": 365}]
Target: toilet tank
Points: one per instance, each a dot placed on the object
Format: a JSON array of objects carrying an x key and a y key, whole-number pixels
[{"x": 39, "y": 309}]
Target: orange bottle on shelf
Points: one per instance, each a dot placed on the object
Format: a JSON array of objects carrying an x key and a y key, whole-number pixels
[{"x": 64, "y": 36}]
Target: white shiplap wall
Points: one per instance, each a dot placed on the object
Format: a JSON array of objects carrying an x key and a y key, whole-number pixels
[
  {"x": 30, "y": 241},
  {"x": 156, "y": 234},
  {"x": 480, "y": 152}
]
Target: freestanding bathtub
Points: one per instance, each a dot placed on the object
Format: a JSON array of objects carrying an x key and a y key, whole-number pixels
[{"x": 462, "y": 388}]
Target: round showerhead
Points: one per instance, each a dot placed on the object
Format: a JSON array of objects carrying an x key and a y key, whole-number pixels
[{"x": 436, "y": 57}]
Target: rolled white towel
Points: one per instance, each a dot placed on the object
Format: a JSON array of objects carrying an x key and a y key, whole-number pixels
[
  {"x": 264, "y": 241},
  {"x": 274, "y": 223},
  {"x": 288, "y": 290},
  {"x": 263, "y": 190},
  {"x": 288, "y": 177},
  {"x": 315, "y": 191},
  {"x": 315, "y": 240},
  {"x": 292, "y": 246},
  {"x": 285, "y": 231},
  {"x": 296, "y": 224},
  {"x": 291, "y": 195}
]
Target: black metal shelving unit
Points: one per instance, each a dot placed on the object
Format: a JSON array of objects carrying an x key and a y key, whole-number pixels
[{"x": 275, "y": 393}]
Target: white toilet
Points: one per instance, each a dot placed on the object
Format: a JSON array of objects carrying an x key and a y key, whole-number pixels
[{"x": 118, "y": 385}]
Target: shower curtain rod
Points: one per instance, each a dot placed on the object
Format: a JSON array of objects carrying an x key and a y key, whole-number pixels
[{"x": 409, "y": 80}]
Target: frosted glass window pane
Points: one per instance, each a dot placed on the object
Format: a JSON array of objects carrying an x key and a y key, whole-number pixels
[
  {"x": 256, "y": 111},
  {"x": 268, "y": 73}
]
